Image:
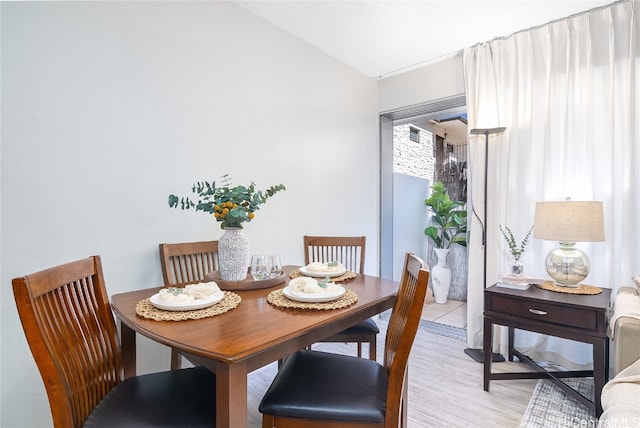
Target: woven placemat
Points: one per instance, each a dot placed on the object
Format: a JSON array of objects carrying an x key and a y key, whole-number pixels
[
  {"x": 230, "y": 301},
  {"x": 348, "y": 275},
  {"x": 582, "y": 289},
  {"x": 277, "y": 298}
]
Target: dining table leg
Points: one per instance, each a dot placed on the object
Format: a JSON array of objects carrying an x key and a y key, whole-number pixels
[
  {"x": 231, "y": 394},
  {"x": 128, "y": 348}
]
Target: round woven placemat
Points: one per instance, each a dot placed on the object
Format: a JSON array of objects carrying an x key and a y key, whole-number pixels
[
  {"x": 344, "y": 277},
  {"x": 583, "y": 289},
  {"x": 230, "y": 301},
  {"x": 277, "y": 298}
]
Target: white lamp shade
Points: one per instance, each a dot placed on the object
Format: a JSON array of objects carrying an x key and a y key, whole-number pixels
[{"x": 569, "y": 221}]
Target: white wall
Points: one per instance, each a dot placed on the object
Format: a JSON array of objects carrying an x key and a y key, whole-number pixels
[
  {"x": 108, "y": 107},
  {"x": 410, "y": 221},
  {"x": 431, "y": 82}
]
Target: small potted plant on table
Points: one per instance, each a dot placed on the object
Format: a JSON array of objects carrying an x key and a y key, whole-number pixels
[{"x": 515, "y": 250}]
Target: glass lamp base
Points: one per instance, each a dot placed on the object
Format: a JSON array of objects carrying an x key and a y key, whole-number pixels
[{"x": 567, "y": 265}]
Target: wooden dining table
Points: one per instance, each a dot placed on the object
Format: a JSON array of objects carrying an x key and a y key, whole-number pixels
[{"x": 254, "y": 334}]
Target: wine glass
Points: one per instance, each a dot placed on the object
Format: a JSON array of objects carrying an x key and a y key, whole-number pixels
[
  {"x": 276, "y": 266},
  {"x": 260, "y": 267}
]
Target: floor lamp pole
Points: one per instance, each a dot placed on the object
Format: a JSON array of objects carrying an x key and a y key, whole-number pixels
[
  {"x": 477, "y": 354},
  {"x": 484, "y": 219}
]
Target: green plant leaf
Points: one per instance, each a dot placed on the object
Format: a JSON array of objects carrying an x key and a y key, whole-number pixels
[
  {"x": 450, "y": 221},
  {"x": 242, "y": 200}
]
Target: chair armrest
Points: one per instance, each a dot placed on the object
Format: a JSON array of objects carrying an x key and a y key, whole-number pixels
[
  {"x": 626, "y": 337},
  {"x": 626, "y": 343},
  {"x": 628, "y": 290}
]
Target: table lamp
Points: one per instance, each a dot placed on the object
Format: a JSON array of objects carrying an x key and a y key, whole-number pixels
[{"x": 568, "y": 222}]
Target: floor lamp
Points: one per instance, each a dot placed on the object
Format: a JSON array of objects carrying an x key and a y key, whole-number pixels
[{"x": 476, "y": 354}]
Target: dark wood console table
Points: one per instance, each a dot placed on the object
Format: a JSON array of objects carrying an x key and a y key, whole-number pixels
[{"x": 582, "y": 318}]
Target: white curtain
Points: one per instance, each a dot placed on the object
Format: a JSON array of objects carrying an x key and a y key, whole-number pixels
[{"x": 568, "y": 94}]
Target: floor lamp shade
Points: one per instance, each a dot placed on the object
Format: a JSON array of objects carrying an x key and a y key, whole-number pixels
[{"x": 569, "y": 222}]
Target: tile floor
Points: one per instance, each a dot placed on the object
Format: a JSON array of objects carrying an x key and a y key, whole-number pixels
[{"x": 453, "y": 313}]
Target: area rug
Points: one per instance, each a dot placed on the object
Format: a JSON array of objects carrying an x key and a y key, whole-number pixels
[
  {"x": 551, "y": 407},
  {"x": 444, "y": 330},
  {"x": 436, "y": 328}
]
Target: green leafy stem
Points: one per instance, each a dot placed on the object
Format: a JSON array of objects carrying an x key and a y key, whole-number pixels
[{"x": 511, "y": 241}]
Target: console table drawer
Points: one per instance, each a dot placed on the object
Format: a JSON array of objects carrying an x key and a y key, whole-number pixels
[{"x": 547, "y": 312}]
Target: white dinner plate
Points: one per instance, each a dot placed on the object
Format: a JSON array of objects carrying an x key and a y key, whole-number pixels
[
  {"x": 313, "y": 298},
  {"x": 189, "y": 306},
  {"x": 317, "y": 274}
]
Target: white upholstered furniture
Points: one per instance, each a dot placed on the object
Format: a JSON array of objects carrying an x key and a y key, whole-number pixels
[{"x": 621, "y": 395}]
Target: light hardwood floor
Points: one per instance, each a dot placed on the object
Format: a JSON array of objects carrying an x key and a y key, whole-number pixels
[{"x": 445, "y": 385}]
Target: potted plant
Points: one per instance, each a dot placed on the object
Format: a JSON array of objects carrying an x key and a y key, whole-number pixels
[
  {"x": 449, "y": 226},
  {"x": 231, "y": 206},
  {"x": 450, "y": 221},
  {"x": 515, "y": 250}
]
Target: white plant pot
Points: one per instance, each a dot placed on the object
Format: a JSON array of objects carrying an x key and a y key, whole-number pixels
[{"x": 441, "y": 276}]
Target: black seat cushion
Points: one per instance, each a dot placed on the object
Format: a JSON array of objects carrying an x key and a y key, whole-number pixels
[
  {"x": 366, "y": 327},
  {"x": 178, "y": 398},
  {"x": 321, "y": 385}
]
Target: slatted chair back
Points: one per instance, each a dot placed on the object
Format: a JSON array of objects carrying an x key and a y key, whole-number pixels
[
  {"x": 401, "y": 331},
  {"x": 67, "y": 319},
  {"x": 348, "y": 250},
  {"x": 188, "y": 262}
]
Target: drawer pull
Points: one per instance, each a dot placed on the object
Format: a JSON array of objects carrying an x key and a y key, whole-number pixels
[{"x": 537, "y": 312}]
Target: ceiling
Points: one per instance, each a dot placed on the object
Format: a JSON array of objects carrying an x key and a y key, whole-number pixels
[{"x": 382, "y": 37}]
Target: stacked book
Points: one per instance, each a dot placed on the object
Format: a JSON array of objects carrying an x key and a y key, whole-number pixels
[{"x": 521, "y": 282}]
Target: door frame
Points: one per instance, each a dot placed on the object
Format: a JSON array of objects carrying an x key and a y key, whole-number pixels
[{"x": 428, "y": 110}]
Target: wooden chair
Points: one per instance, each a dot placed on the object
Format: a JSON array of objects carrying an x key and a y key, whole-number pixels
[
  {"x": 67, "y": 319},
  {"x": 187, "y": 263},
  {"x": 318, "y": 389},
  {"x": 350, "y": 252}
]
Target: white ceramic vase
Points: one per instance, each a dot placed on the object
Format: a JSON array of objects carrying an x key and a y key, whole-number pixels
[
  {"x": 441, "y": 276},
  {"x": 233, "y": 254}
]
